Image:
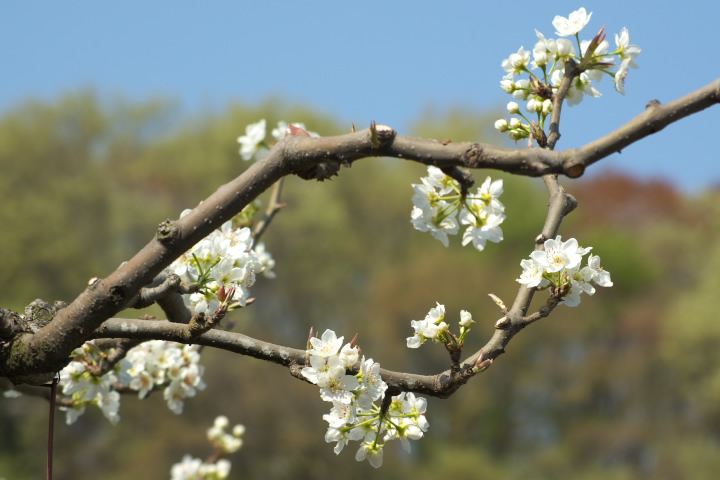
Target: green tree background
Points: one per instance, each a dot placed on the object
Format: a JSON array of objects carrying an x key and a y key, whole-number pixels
[{"x": 625, "y": 386}]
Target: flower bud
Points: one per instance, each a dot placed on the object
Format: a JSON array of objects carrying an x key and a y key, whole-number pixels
[
  {"x": 516, "y": 135},
  {"x": 498, "y": 302},
  {"x": 221, "y": 422},
  {"x": 534, "y": 106},
  {"x": 238, "y": 430},
  {"x": 546, "y": 107},
  {"x": 502, "y": 323},
  {"x": 513, "y": 107},
  {"x": 466, "y": 319},
  {"x": 501, "y": 125},
  {"x": 564, "y": 47}
]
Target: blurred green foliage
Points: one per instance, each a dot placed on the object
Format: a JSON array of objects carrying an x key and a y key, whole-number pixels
[{"x": 625, "y": 386}]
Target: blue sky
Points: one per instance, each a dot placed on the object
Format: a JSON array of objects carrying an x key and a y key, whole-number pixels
[{"x": 367, "y": 60}]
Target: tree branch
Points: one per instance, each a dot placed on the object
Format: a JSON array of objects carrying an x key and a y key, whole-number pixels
[
  {"x": 441, "y": 385},
  {"x": 48, "y": 349}
]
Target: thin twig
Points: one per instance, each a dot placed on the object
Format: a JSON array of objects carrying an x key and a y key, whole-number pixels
[
  {"x": 51, "y": 428},
  {"x": 274, "y": 206}
]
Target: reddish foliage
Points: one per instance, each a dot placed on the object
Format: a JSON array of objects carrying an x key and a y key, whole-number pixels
[{"x": 621, "y": 200}]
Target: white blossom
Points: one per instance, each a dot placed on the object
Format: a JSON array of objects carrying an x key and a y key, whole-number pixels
[
  {"x": 516, "y": 63},
  {"x": 559, "y": 266},
  {"x": 626, "y": 50},
  {"x": 355, "y": 415},
  {"x": 250, "y": 143},
  {"x": 573, "y": 24}
]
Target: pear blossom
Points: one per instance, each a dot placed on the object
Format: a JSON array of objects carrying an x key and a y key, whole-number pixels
[
  {"x": 627, "y": 51},
  {"x": 507, "y": 85},
  {"x": 355, "y": 414},
  {"x": 340, "y": 414},
  {"x": 411, "y": 423},
  {"x": 532, "y": 274},
  {"x": 573, "y": 24},
  {"x": 431, "y": 215},
  {"x": 440, "y": 208},
  {"x": 340, "y": 434},
  {"x": 187, "y": 469},
  {"x": 222, "y": 440},
  {"x": 517, "y": 63},
  {"x": 195, "y": 469},
  {"x": 327, "y": 346},
  {"x": 559, "y": 267},
  {"x": 431, "y": 327},
  {"x": 225, "y": 258},
  {"x": 546, "y": 72},
  {"x": 318, "y": 365},
  {"x": 466, "y": 319},
  {"x": 543, "y": 52},
  {"x": 335, "y": 385},
  {"x": 265, "y": 260},
  {"x": 371, "y": 381},
  {"x": 481, "y": 229},
  {"x": 250, "y": 143},
  {"x": 349, "y": 355},
  {"x": 372, "y": 452},
  {"x": 599, "y": 275},
  {"x": 620, "y": 76},
  {"x": 558, "y": 255}
]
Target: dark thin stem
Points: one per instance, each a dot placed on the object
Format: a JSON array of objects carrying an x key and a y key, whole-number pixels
[{"x": 51, "y": 427}]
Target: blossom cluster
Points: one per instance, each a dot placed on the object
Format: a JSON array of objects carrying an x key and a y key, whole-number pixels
[
  {"x": 439, "y": 207},
  {"x": 219, "y": 468},
  {"x": 433, "y": 327},
  {"x": 223, "y": 441},
  {"x": 254, "y": 143},
  {"x": 84, "y": 388},
  {"x": 355, "y": 414},
  {"x": 146, "y": 366},
  {"x": 558, "y": 266},
  {"x": 547, "y": 68},
  {"x": 224, "y": 261},
  {"x": 156, "y": 363},
  {"x": 195, "y": 469}
]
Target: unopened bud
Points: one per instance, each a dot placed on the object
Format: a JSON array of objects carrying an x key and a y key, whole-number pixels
[
  {"x": 482, "y": 366},
  {"x": 546, "y": 107},
  {"x": 293, "y": 130},
  {"x": 225, "y": 294},
  {"x": 310, "y": 336},
  {"x": 502, "y": 323},
  {"x": 466, "y": 319},
  {"x": 498, "y": 302}
]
